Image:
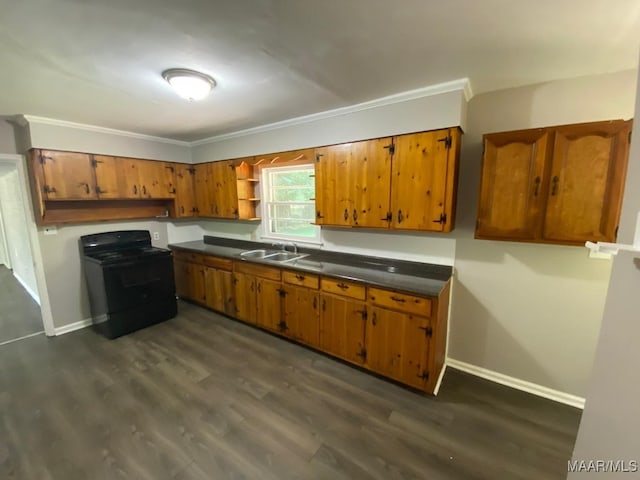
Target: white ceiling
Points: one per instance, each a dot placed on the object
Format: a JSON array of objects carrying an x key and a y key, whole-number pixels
[{"x": 99, "y": 61}]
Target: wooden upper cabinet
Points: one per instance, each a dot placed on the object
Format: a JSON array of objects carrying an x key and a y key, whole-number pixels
[
  {"x": 353, "y": 181},
  {"x": 225, "y": 189},
  {"x": 67, "y": 176},
  {"x": 513, "y": 184},
  {"x": 203, "y": 195},
  {"x": 588, "y": 170},
  {"x": 424, "y": 180},
  {"x": 554, "y": 185},
  {"x": 156, "y": 179},
  {"x": 185, "y": 190}
]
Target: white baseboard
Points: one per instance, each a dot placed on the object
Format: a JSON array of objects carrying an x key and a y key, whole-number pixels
[
  {"x": 518, "y": 384},
  {"x": 439, "y": 382},
  {"x": 72, "y": 327},
  {"x": 33, "y": 294}
]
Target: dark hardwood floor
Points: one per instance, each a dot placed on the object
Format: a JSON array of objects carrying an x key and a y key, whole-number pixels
[
  {"x": 205, "y": 397},
  {"x": 19, "y": 313}
]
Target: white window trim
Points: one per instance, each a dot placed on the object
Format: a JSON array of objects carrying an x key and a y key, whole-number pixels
[{"x": 266, "y": 195}]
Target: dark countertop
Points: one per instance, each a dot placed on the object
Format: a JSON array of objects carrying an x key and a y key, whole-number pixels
[{"x": 401, "y": 275}]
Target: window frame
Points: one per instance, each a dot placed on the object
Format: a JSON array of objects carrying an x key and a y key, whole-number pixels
[{"x": 266, "y": 202}]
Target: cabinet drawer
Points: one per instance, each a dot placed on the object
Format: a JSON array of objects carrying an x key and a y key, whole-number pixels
[
  {"x": 217, "y": 262},
  {"x": 257, "y": 270},
  {"x": 340, "y": 287},
  {"x": 400, "y": 301},
  {"x": 302, "y": 279},
  {"x": 184, "y": 256}
]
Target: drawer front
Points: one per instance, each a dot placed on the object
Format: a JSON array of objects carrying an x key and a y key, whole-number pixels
[
  {"x": 257, "y": 270},
  {"x": 184, "y": 256},
  {"x": 219, "y": 263},
  {"x": 400, "y": 301},
  {"x": 341, "y": 287},
  {"x": 302, "y": 279}
]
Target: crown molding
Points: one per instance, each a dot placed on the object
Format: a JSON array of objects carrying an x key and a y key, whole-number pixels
[
  {"x": 440, "y": 88},
  {"x": 31, "y": 119}
]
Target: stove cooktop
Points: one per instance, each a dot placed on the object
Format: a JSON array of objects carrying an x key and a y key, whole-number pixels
[{"x": 118, "y": 256}]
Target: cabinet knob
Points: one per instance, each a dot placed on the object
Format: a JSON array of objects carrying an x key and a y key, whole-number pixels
[
  {"x": 355, "y": 215},
  {"x": 537, "y": 189},
  {"x": 554, "y": 188},
  {"x": 346, "y": 215},
  {"x": 400, "y": 216}
]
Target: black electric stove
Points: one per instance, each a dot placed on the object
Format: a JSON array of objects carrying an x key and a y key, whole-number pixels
[{"x": 130, "y": 282}]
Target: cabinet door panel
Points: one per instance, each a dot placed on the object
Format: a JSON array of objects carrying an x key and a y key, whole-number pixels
[
  {"x": 197, "y": 284},
  {"x": 586, "y": 182},
  {"x": 185, "y": 195},
  {"x": 370, "y": 182},
  {"x": 219, "y": 288},
  {"x": 397, "y": 345},
  {"x": 224, "y": 189},
  {"x": 513, "y": 187},
  {"x": 244, "y": 297},
  {"x": 420, "y": 168},
  {"x": 269, "y": 304},
  {"x": 156, "y": 179},
  {"x": 129, "y": 178},
  {"x": 302, "y": 315},
  {"x": 182, "y": 273},
  {"x": 67, "y": 176},
  {"x": 342, "y": 324},
  {"x": 108, "y": 176},
  {"x": 203, "y": 190}
]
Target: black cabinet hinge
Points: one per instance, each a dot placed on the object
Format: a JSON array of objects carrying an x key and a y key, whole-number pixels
[
  {"x": 282, "y": 326},
  {"x": 391, "y": 148},
  {"x": 191, "y": 170},
  {"x": 48, "y": 189},
  {"x": 362, "y": 353},
  {"x": 424, "y": 375},
  {"x": 171, "y": 169},
  {"x": 282, "y": 292},
  {"x": 318, "y": 155},
  {"x": 363, "y": 314},
  {"x": 448, "y": 141},
  {"x": 629, "y": 136},
  {"x": 428, "y": 331},
  {"x": 442, "y": 219},
  {"x": 319, "y": 214}
]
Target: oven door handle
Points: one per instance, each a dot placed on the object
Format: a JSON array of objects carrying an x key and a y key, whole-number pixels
[{"x": 143, "y": 282}]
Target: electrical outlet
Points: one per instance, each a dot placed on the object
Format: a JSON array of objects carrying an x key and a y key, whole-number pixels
[
  {"x": 156, "y": 235},
  {"x": 50, "y": 231}
]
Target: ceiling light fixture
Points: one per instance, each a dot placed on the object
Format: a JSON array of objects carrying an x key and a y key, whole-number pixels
[{"x": 189, "y": 84}]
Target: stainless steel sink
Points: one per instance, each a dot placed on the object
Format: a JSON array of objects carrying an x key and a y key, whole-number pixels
[
  {"x": 284, "y": 256},
  {"x": 257, "y": 253},
  {"x": 273, "y": 255}
]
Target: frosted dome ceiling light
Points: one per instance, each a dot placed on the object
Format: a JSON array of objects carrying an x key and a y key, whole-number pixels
[{"x": 189, "y": 84}]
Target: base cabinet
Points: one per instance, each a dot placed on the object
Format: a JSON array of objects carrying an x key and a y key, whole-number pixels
[
  {"x": 395, "y": 334},
  {"x": 397, "y": 345},
  {"x": 342, "y": 327}
]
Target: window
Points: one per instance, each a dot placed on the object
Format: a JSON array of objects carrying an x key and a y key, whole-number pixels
[{"x": 288, "y": 203}]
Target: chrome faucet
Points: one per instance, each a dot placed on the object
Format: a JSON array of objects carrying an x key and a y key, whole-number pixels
[
  {"x": 295, "y": 247},
  {"x": 283, "y": 246}
]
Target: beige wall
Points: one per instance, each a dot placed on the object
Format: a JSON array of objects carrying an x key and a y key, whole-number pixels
[
  {"x": 528, "y": 311},
  {"x": 63, "y": 268},
  {"x": 103, "y": 141},
  {"x": 610, "y": 423},
  {"x": 418, "y": 114},
  {"x": 7, "y": 138}
]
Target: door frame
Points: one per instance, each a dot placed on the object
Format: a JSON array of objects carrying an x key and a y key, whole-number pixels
[
  {"x": 18, "y": 161},
  {"x": 5, "y": 243}
]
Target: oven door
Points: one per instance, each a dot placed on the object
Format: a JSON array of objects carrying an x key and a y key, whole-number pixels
[{"x": 129, "y": 285}]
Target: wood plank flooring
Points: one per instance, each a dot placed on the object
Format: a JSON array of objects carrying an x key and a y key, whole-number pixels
[
  {"x": 19, "y": 313},
  {"x": 204, "y": 397}
]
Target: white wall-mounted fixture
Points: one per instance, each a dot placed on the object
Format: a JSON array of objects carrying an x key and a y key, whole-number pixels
[
  {"x": 614, "y": 248},
  {"x": 189, "y": 84}
]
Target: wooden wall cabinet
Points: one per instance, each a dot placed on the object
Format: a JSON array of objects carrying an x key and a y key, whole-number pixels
[
  {"x": 185, "y": 190},
  {"x": 65, "y": 175},
  {"x": 560, "y": 185},
  {"x": 407, "y": 182}
]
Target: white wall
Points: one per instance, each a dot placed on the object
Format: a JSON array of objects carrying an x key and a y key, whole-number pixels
[
  {"x": 56, "y": 135},
  {"x": 4, "y": 254},
  {"x": 15, "y": 223},
  {"x": 610, "y": 423},
  {"x": 63, "y": 268},
  {"x": 529, "y": 311}
]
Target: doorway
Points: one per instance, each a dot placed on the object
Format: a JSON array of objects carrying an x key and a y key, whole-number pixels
[{"x": 21, "y": 275}]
